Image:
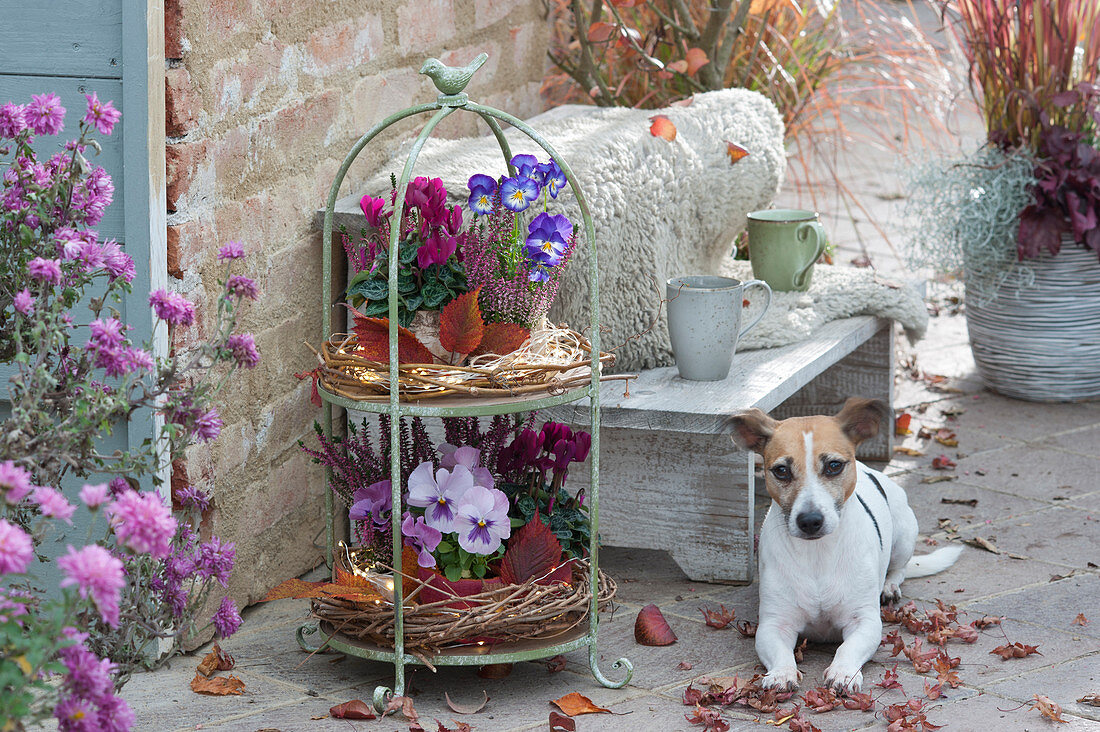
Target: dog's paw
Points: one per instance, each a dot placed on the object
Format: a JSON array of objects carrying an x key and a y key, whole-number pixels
[
  {"x": 891, "y": 594},
  {"x": 782, "y": 679},
  {"x": 843, "y": 681}
]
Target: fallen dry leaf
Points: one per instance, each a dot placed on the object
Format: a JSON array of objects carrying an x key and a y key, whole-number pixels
[
  {"x": 862, "y": 702},
  {"x": 938, "y": 478},
  {"x": 735, "y": 152},
  {"x": 467, "y": 708},
  {"x": 890, "y": 679},
  {"x": 821, "y": 699},
  {"x": 947, "y": 438},
  {"x": 901, "y": 424},
  {"x": 933, "y": 691},
  {"x": 216, "y": 660},
  {"x": 972, "y": 502},
  {"x": 910, "y": 451},
  {"x": 718, "y": 618},
  {"x": 404, "y": 705},
  {"x": 651, "y": 628},
  {"x": 217, "y": 686},
  {"x": 662, "y": 127},
  {"x": 354, "y": 709},
  {"x": 987, "y": 620},
  {"x": 1015, "y": 650},
  {"x": 684, "y": 666},
  {"x": 942, "y": 462},
  {"x": 710, "y": 719},
  {"x": 1080, "y": 620},
  {"x": 575, "y": 704},
  {"x": 798, "y": 649},
  {"x": 561, "y": 723},
  {"x": 746, "y": 628},
  {"x": 1045, "y": 706},
  {"x": 555, "y": 664},
  {"x": 1093, "y": 699},
  {"x": 458, "y": 726}
]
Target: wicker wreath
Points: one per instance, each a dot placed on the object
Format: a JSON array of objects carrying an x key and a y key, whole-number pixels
[{"x": 511, "y": 613}]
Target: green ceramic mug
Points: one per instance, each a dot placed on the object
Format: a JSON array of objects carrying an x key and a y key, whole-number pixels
[{"x": 784, "y": 243}]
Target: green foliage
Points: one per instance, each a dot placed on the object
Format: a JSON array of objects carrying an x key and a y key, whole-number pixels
[
  {"x": 455, "y": 563},
  {"x": 417, "y": 289},
  {"x": 568, "y": 518}
]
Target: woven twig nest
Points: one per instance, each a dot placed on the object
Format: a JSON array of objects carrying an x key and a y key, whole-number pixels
[
  {"x": 553, "y": 361},
  {"x": 511, "y": 613}
]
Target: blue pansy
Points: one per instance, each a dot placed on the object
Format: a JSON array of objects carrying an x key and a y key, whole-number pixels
[
  {"x": 482, "y": 187},
  {"x": 527, "y": 166},
  {"x": 517, "y": 193},
  {"x": 547, "y": 237},
  {"x": 552, "y": 177}
]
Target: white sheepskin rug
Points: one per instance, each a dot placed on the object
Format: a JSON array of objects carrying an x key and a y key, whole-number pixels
[
  {"x": 835, "y": 292},
  {"x": 658, "y": 208}
]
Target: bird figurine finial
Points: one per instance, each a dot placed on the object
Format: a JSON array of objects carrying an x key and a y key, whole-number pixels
[{"x": 448, "y": 79}]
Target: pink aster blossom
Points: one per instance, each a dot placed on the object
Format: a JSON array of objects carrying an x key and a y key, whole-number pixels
[
  {"x": 24, "y": 302},
  {"x": 98, "y": 575},
  {"x": 142, "y": 523},
  {"x": 192, "y": 497},
  {"x": 44, "y": 114},
  {"x": 15, "y": 482},
  {"x": 94, "y": 495},
  {"x": 243, "y": 346},
  {"x": 16, "y": 549},
  {"x": 215, "y": 559},
  {"x": 102, "y": 115},
  {"x": 231, "y": 250},
  {"x": 116, "y": 262},
  {"x": 106, "y": 333},
  {"x": 208, "y": 426},
  {"x": 172, "y": 307},
  {"x": 12, "y": 120},
  {"x": 52, "y": 503},
  {"x": 44, "y": 270},
  {"x": 241, "y": 286},
  {"x": 227, "y": 619}
]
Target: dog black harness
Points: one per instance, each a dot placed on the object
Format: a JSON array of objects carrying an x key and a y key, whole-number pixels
[
  {"x": 879, "y": 486},
  {"x": 873, "y": 521}
]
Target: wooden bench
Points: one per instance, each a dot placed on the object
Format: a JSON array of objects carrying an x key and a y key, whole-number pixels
[{"x": 671, "y": 478}]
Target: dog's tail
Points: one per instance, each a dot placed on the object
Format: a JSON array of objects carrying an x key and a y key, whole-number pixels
[{"x": 937, "y": 561}]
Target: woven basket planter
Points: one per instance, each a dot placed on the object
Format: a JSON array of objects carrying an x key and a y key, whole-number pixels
[{"x": 1042, "y": 342}]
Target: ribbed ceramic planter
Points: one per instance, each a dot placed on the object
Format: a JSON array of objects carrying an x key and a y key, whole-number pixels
[{"x": 1042, "y": 342}]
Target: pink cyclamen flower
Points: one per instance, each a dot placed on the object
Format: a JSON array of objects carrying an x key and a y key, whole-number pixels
[
  {"x": 98, "y": 575},
  {"x": 94, "y": 495},
  {"x": 172, "y": 307},
  {"x": 142, "y": 523},
  {"x": 241, "y": 286},
  {"x": 12, "y": 120},
  {"x": 231, "y": 250},
  {"x": 102, "y": 115},
  {"x": 243, "y": 346},
  {"x": 16, "y": 549},
  {"x": 52, "y": 503},
  {"x": 227, "y": 619},
  {"x": 482, "y": 523},
  {"x": 44, "y": 270},
  {"x": 24, "y": 302},
  {"x": 15, "y": 482},
  {"x": 208, "y": 426},
  {"x": 439, "y": 494},
  {"x": 44, "y": 114}
]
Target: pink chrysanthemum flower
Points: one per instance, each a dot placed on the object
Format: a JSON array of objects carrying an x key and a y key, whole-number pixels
[
  {"x": 44, "y": 270},
  {"x": 227, "y": 619},
  {"x": 208, "y": 426},
  {"x": 116, "y": 262},
  {"x": 24, "y": 302},
  {"x": 52, "y": 503},
  {"x": 241, "y": 286},
  {"x": 15, "y": 482},
  {"x": 98, "y": 575},
  {"x": 231, "y": 250},
  {"x": 12, "y": 121},
  {"x": 143, "y": 523},
  {"x": 102, "y": 115},
  {"x": 44, "y": 114},
  {"x": 16, "y": 549},
  {"x": 172, "y": 307},
  {"x": 94, "y": 495},
  {"x": 243, "y": 346}
]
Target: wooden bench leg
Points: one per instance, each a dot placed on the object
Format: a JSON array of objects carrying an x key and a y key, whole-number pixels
[
  {"x": 867, "y": 371},
  {"x": 684, "y": 493}
]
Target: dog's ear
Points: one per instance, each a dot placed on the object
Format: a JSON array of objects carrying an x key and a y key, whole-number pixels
[
  {"x": 752, "y": 429},
  {"x": 861, "y": 419}
]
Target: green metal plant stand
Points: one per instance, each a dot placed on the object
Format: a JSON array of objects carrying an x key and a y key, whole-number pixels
[{"x": 450, "y": 83}]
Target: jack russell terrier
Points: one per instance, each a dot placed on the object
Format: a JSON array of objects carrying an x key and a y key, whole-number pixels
[{"x": 837, "y": 540}]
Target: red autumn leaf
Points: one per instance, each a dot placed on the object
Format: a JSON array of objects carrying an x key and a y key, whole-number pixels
[
  {"x": 1015, "y": 650},
  {"x": 821, "y": 699},
  {"x": 216, "y": 660},
  {"x": 684, "y": 666},
  {"x": 746, "y": 628},
  {"x": 966, "y": 633},
  {"x": 987, "y": 620},
  {"x": 662, "y": 127},
  {"x": 1080, "y": 620},
  {"x": 561, "y": 723},
  {"x": 651, "y": 628},
  {"x": 404, "y": 705},
  {"x": 458, "y": 727},
  {"x": 555, "y": 664},
  {"x": 862, "y": 702},
  {"x": 354, "y": 709},
  {"x": 460, "y": 324},
  {"x": 600, "y": 32},
  {"x": 217, "y": 686},
  {"x": 718, "y": 618},
  {"x": 799, "y": 723},
  {"x": 890, "y": 679},
  {"x": 922, "y": 659},
  {"x": 1092, "y": 699},
  {"x": 710, "y": 719},
  {"x": 692, "y": 696},
  {"x": 894, "y": 638},
  {"x": 574, "y": 704},
  {"x": 901, "y": 424},
  {"x": 933, "y": 691},
  {"x": 942, "y": 462},
  {"x": 735, "y": 151},
  {"x": 534, "y": 551},
  {"x": 1046, "y": 706},
  {"x": 374, "y": 341},
  {"x": 943, "y": 666},
  {"x": 696, "y": 59},
  {"x": 501, "y": 339}
]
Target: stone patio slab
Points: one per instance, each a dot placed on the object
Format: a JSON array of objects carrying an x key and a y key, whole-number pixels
[
  {"x": 1065, "y": 683},
  {"x": 993, "y": 712},
  {"x": 1058, "y": 535},
  {"x": 978, "y": 574},
  {"x": 1054, "y": 605},
  {"x": 1033, "y": 472},
  {"x": 926, "y": 500}
]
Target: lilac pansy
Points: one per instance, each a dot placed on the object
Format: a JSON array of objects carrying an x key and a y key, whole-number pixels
[
  {"x": 482, "y": 523},
  {"x": 422, "y": 538},
  {"x": 439, "y": 494}
]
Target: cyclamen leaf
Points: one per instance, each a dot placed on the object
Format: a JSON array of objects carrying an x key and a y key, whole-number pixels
[
  {"x": 533, "y": 552},
  {"x": 460, "y": 325},
  {"x": 374, "y": 341}
]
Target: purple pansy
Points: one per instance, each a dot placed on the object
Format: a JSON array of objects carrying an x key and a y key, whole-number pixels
[
  {"x": 547, "y": 238},
  {"x": 372, "y": 502},
  {"x": 482, "y": 187},
  {"x": 527, "y": 166},
  {"x": 422, "y": 538},
  {"x": 482, "y": 522},
  {"x": 439, "y": 494},
  {"x": 517, "y": 193},
  {"x": 469, "y": 458}
]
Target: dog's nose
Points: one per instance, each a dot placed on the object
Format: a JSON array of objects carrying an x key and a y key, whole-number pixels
[{"x": 810, "y": 522}]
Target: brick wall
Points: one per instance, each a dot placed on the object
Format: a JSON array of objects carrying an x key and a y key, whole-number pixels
[{"x": 263, "y": 101}]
